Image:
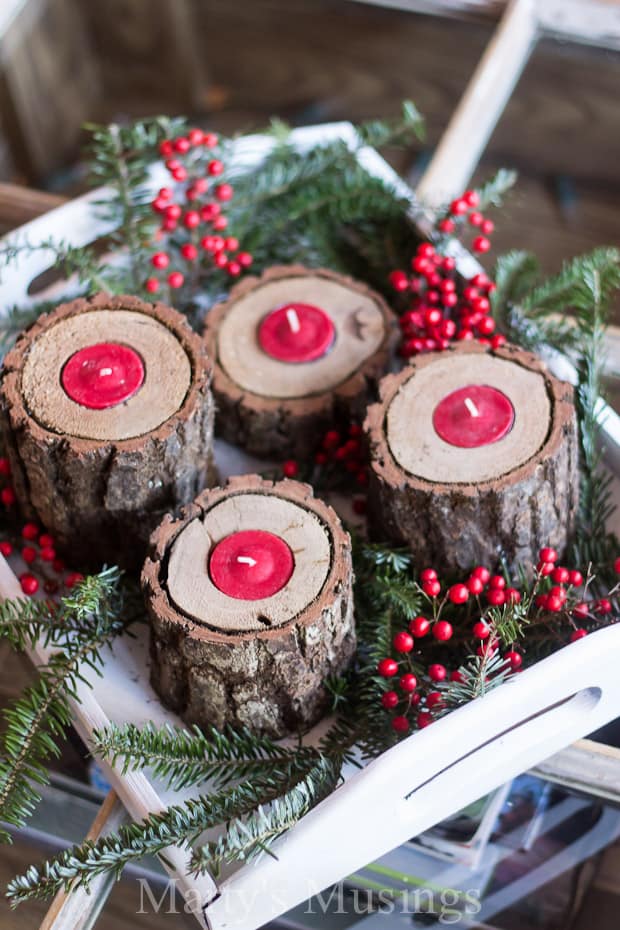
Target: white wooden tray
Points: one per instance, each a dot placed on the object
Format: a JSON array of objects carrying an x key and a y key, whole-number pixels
[{"x": 425, "y": 778}]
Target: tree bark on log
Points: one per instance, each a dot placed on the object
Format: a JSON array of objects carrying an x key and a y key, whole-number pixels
[
  {"x": 455, "y": 524},
  {"x": 312, "y": 397},
  {"x": 218, "y": 660},
  {"x": 100, "y": 480}
]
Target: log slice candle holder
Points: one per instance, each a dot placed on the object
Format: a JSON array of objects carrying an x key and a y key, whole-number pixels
[
  {"x": 107, "y": 417},
  {"x": 474, "y": 456},
  {"x": 250, "y": 602}
]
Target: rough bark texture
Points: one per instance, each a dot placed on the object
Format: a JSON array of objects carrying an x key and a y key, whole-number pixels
[
  {"x": 456, "y": 526},
  {"x": 270, "y": 680},
  {"x": 101, "y": 500},
  {"x": 281, "y": 427}
]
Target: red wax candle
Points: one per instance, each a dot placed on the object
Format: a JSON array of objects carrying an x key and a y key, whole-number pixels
[
  {"x": 296, "y": 333},
  {"x": 251, "y": 564},
  {"x": 473, "y": 416},
  {"x": 103, "y": 375}
]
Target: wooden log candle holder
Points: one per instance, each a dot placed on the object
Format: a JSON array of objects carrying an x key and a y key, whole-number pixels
[
  {"x": 107, "y": 416},
  {"x": 295, "y": 350},
  {"x": 473, "y": 456},
  {"x": 250, "y": 601}
]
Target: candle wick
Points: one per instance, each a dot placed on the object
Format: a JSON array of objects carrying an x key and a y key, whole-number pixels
[
  {"x": 293, "y": 320},
  {"x": 471, "y": 407},
  {"x": 246, "y": 560}
]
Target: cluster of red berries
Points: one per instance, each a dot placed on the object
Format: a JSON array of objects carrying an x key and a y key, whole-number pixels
[
  {"x": 192, "y": 222},
  {"x": 443, "y": 307},
  {"x": 555, "y": 590},
  {"x": 38, "y": 552},
  {"x": 341, "y": 455},
  {"x": 7, "y": 494}
]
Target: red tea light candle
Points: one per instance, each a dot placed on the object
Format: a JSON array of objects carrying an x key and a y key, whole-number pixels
[
  {"x": 296, "y": 333},
  {"x": 103, "y": 375},
  {"x": 473, "y": 416},
  {"x": 251, "y": 565}
]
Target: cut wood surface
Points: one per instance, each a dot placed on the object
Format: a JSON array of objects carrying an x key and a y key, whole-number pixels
[
  {"x": 277, "y": 408},
  {"x": 216, "y": 663},
  {"x": 102, "y": 491},
  {"x": 506, "y": 511}
]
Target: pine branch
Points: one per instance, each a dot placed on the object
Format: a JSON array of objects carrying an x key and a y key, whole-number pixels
[
  {"x": 493, "y": 192},
  {"x": 181, "y": 825},
  {"x": 246, "y": 838},
  {"x": 185, "y": 757},
  {"x": 37, "y": 719},
  {"x": 479, "y": 675}
]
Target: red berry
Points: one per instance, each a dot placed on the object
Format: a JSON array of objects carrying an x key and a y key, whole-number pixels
[
  {"x": 191, "y": 219},
  {"x": 419, "y": 626},
  {"x": 173, "y": 212},
  {"x": 29, "y": 583},
  {"x": 617, "y": 566},
  {"x": 398, "y": 280},
  {"x": 29, "y": 554},
  {"x": 560, "y": 575},
  {"x": 233, "y": 269},
  {"x": 220, "y": 223},
  {"x": 48, "y": 554},
  {"x": 5, "y": 467},
  {"x": 210, "y": 139},
  {"x": 290, "y": 468},
  {"x": 437, "y": 672},
  {"x": 497, "y": 581},
  {"x": 475, "y": 586},
  {"x": 181, "y": 144},
  {"x": 160, "y": 260},
  {"x": 581, "y": 610},
  {"x": 196, "y": 136},
  {"x": 496, "y": 597},
  {"x": 578, "y": 634},
  {"x": 209, "y": 211},
  {"x": 433, "y": 698},
  {"x": 215, "y": 168},
  {"x": 424, "y": 719},
  {"x": 458, "y": 207},
  {"x": 408, "y": 682},
  {"x": 515, "y": 659},
  {"x": 498, "y": 341},
  {"x": 575, "y": 578},
  {"x": 6, "y": 548},
  {"x": 244, "y": 259},
  {"x": 482, "y": 573},
  {"x": 512, "y": 596},
  {"x": 165, "y": 147},
  {"x": 175, "y": 279},
  {"x": 481, "y": 244},
  {"x": 431, "y": 588},
  {"x": 548, "y": 555},
  {"x": 400, "y": 724},
  {"x": 73, "y": 578},
  {"x": 487, "y": 227},
  {"x": 603, "y": 607},
  {"x": 456, "y": 675},
  {"x": 189, "y": 251},
  {"x": 458, "y": 593},
  {"x": 389, "y": 700},
  {"x": 403, "y": 642},
  {"x": 554, "y": 603},
  {"x": 475, "y": 218},
  {"x": 442, "y": 631},
  {"x": 7, "y": 496},
  {"x": 471, "y": 198},
  {"x": 224, "y": 192},
  {"x": 387, "y": 668},
  {"x": 486, "y": 325},
  {"x": 481, "y": 630},
  {"x": 545, "y": 568},
  {"x": 558, "y": 591},
  {"x": 30, "y": 531},
  {"x": 151, "y": 285},
  {"x": 428, "y": 574}
]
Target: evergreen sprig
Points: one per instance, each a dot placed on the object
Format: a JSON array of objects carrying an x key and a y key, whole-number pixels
[
  {"x": 36, "y": 720},
  {"x": 184, "y": 757}
]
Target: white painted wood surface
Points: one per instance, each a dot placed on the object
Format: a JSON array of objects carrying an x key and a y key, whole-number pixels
[{"x": 413, "y": 786}]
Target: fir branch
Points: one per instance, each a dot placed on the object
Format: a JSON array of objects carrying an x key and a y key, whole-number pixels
[
  {"x": 180, "y": 825},
  {"x": 37, "y": 719},
  {"x": 493, "y": 191},
  {"x": 185, "y": 757},
  {"x": 246, "y": 838},
  {"x": 479, "y": 675}
]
